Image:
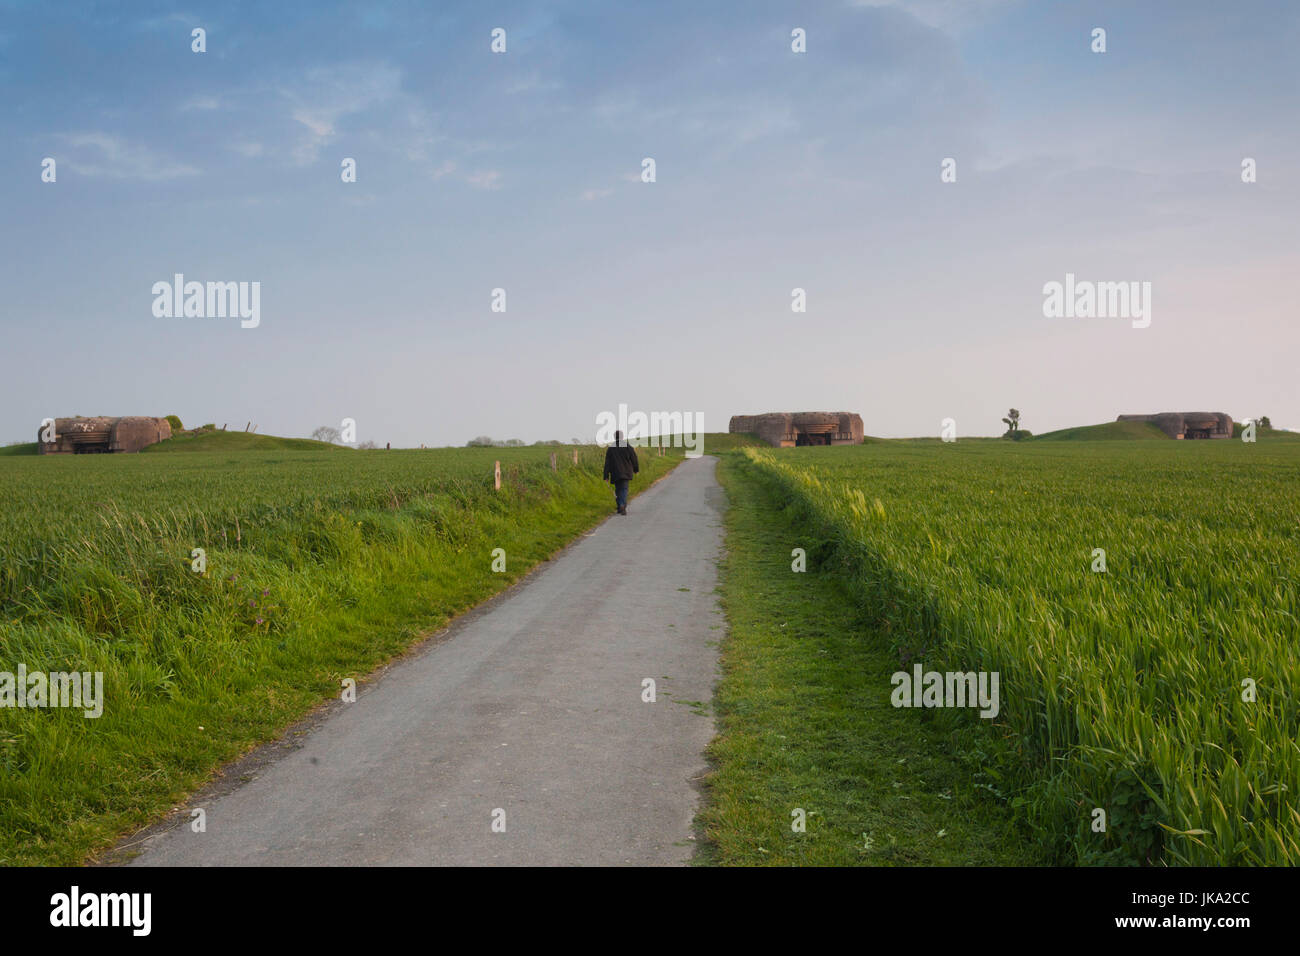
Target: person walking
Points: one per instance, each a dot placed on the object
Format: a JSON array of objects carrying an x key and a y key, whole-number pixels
[{"x": 620, "y": 466}]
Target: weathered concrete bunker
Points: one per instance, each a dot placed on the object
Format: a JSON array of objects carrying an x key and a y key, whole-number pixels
[
  {"x": 101, "y": 435},
  {"x": 1187, "y": 424},
  {"x": 789, "y": 429}
]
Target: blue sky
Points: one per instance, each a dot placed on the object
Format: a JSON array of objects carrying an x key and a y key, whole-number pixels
[{"x": 775, "y": 170}]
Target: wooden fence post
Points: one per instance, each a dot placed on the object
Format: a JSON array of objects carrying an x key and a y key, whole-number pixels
[
  {"x": 554, "y": 467},
  {"x": 497, "y": 468},
  {"x": 575, "y": 456}
]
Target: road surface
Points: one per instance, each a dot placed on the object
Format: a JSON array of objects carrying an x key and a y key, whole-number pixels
[{"x": 529, "y": 716}]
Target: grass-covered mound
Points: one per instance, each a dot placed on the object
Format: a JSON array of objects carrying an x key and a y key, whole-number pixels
[
  {"x": 1266, "y": 434},
  {"x": 1107, "y": 431},
  {"x": 713, "y": 442},
  {"x": 208, "y": 438}
]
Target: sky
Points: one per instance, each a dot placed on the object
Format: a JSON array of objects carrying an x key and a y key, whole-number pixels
[{"x": 521, "y": 170}]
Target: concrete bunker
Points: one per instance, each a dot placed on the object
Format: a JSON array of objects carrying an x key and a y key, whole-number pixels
[
  {"x": 102, "y": 435},
  {"x": 798, "y": 429},
  {"x": 1187, "y": 425}
]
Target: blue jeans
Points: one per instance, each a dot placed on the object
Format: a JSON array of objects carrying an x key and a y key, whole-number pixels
[{"x": 620, "y": 492}]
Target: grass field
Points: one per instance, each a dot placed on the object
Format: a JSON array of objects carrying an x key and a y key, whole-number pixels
[
  {"x": 1128, "y": 690},
  {"x": 320, "y": 566}
]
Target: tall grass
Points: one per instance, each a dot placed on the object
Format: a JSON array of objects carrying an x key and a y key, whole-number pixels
[
  {"x": 1120, "y": 690},
  {"x": 320, "y": 566}
]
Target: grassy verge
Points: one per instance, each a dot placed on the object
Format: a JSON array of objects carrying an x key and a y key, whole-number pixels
[
  {"x": 805, "y": 723},
  {"x": 199, "y": 669}
]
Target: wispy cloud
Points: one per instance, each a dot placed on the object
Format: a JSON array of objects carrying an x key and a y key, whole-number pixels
[
  {"x": 533, "y": 83},
  {"x": 362, "y": 104},
  {"x": 485, "y": 179},
  {"x": 324, "y": 96},
  {"x": 948, "y": 15},
  {"x": 170, "y": 22},
  {"x": 105, "y": 155},
  {"x": 201, "y": 103}
]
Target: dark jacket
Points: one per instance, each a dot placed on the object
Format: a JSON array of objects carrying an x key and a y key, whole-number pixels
[{"x": 620, "y": 463}]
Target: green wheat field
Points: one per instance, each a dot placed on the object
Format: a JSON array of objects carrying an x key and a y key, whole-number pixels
[{"x": 1164, "y": 691}]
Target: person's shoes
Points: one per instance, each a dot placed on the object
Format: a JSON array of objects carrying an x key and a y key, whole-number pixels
[{"x": 622, "y": 509}]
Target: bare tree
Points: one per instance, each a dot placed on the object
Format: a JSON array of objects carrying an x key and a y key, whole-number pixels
[{"x": 326, "y": 433}]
